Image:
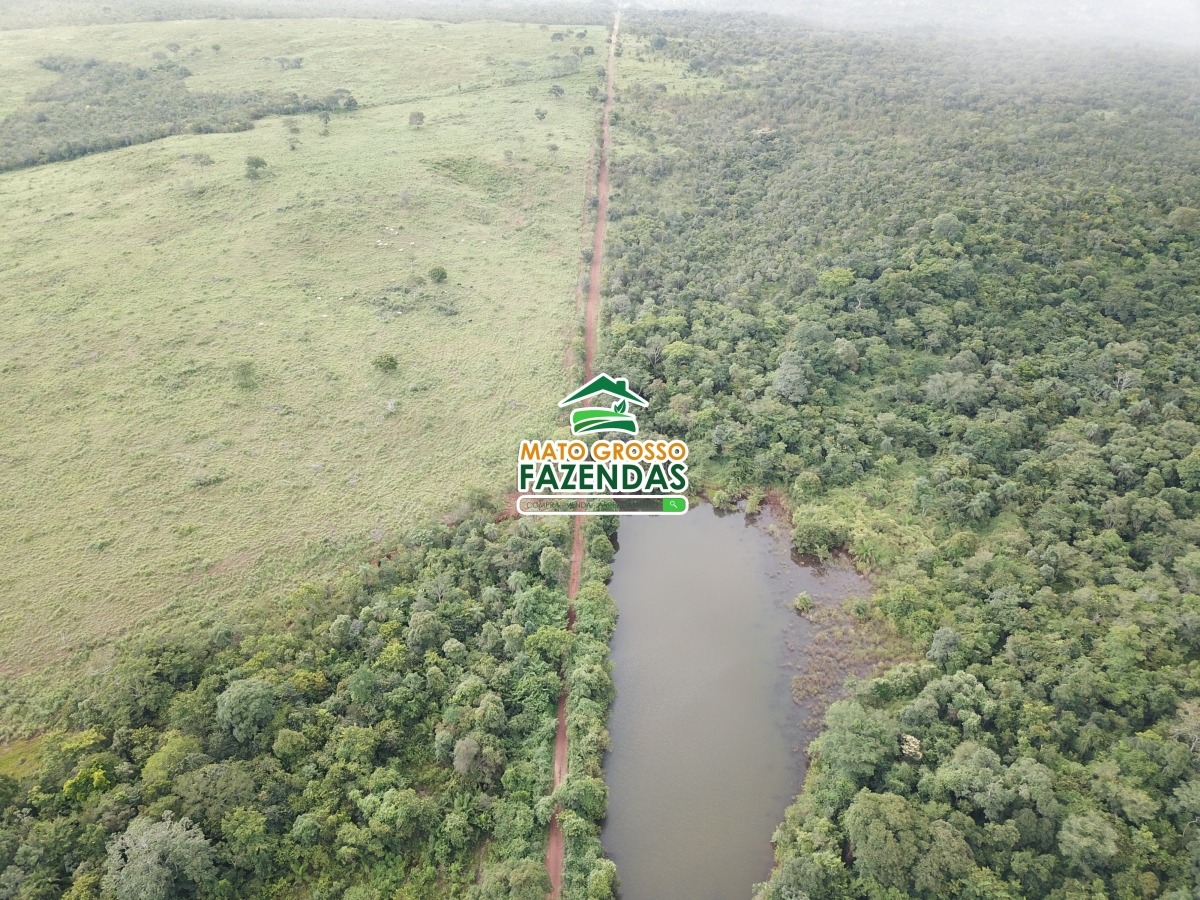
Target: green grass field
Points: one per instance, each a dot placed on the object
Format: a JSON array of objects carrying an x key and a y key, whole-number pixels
[{"x": 191, "y": 413}]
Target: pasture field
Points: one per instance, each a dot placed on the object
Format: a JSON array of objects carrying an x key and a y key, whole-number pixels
[{"x": 193, "y": 414}]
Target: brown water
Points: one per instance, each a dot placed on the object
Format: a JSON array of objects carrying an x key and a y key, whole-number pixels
[{"x": 706, "y": 738}]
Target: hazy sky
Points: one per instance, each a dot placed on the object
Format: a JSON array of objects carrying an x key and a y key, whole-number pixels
[{"x": 1172, "y": 21}]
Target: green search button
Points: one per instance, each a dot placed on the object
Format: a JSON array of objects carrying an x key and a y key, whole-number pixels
[{"x": 674, "y": 504}]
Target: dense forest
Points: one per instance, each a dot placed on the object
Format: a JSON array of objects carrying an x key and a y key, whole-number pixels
[
  {"x": 96, "y": 106},
  {"x": 388, "y": 735},
  {"x": 941, "y": 300}
]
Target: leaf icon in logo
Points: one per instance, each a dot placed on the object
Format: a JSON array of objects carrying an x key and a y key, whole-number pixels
[{"x": 620, "y": 406}]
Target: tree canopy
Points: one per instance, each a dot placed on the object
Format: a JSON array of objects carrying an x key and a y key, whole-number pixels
[
  {"x": 942, "y": 299},
  {"x": 389, "y": 733}
]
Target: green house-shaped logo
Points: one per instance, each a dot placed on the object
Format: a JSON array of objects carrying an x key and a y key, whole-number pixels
[{"x": 593, "y": 419}]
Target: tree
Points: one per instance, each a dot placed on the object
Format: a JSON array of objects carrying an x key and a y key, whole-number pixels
[
  {"x": 8, "y": 789},
  {"x": 206, "y": 795},
  {"x": 1184, "y": 218},
  {"x": 466, "y": 756},
  {"x": 540, "y": 113},
  {"x": 551, "y": 643},
  {"x": 522, "y": 879},
  {"x": 437, "y": 275},
  {"x": 602, "y": 881},
  {"x": 1186, "y": 726},
  {"x": 1088, "y": 841},
  {"x": 944, "y": 645},
  {"x": 363, "y": 687},
  {"x": 791, "y": 379},
  {"x": 889, "y": 835},
  {"x": 167, "y": 762},
  {"x": 245, "y": 708},
  {"x": 552, "y": 564},
  {"x": 556, "y": 91},
  {"x": 425, "y": 630},
  {"x": 247, "y": 843},
  {"x": 955, "y": 391},
  {"x": 416, "y": 118},
  {"x": 836, "y": 280},
  {"x": 159, "y": 861},
  {"x": 947, "y": 227},
  {"x": 810, "y": 876},
  {"x": 216, "y": 48},
  {"x": 343, "y": 630},
  {"x": 254, "y": 164},
  {"x": 1187, "y": 570},
  {"x": 1189, "y": 471},
  {"x": 857, "y": 742},
  {"x": 289, "y": 745}
]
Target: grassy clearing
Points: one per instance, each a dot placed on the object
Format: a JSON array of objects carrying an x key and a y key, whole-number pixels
[
  {"x": 191, "y": 412},
  {"x": 380, "y": 62},
  {"x": 20, "y": 758}
]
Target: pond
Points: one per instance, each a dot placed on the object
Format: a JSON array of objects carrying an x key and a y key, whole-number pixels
[{"x": 707, "y": 741}]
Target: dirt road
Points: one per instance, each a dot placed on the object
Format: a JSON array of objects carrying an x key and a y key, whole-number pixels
[
  {"x": 591, "y": 312},
  {"x": 555, "y": 852}
]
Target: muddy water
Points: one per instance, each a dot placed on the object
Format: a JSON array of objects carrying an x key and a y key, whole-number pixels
[{"x": 706, "y": 739}]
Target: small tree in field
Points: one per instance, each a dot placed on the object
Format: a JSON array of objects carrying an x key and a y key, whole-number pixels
[
  {"x": 416, "y": 118},
  {"x": 540, "y": 113},
  {"x": 254, "y": 164},
  {"x": 437, "y": 275},
  {"x": 556, "y": 90}
]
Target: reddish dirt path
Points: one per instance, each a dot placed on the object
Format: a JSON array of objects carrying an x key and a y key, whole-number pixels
[
  {"x": 555, "y": 851},
  {"x": 591, "y": 312}
]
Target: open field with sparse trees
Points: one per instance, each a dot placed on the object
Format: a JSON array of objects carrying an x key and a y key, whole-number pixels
[{"x": 192, "y": 416}]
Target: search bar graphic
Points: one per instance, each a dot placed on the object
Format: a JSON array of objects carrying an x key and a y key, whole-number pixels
[{"x": 602, "y": 505}]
